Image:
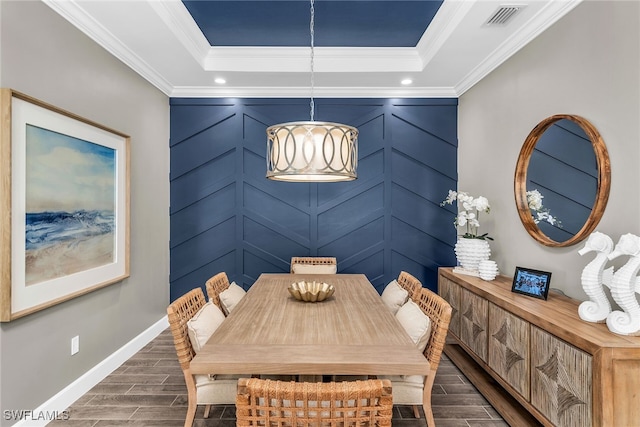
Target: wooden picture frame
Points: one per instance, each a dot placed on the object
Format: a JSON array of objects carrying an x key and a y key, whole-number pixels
[
  {"x": 534, "y": 283},
  {"x": 64, "y": 205}
]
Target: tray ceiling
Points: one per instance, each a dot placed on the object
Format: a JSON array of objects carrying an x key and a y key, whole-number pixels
[{"x": 261, "y": 48}]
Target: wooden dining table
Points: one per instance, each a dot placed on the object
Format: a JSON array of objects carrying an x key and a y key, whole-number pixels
[{"x": 350, "y": 333}]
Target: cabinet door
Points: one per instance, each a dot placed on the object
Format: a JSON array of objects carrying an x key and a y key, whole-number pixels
[
  {"x": 473, "y": 322},
  {"x": 450, "y": 291},
  {"x": 509, "y": 348},
  {"x": 560, "y": 380}
]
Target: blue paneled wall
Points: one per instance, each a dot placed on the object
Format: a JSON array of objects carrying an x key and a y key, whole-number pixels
[{"x": 226, "y": 216}]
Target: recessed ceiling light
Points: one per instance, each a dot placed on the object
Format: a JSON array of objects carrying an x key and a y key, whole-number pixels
[
  {"x": 220, "y": 81},
  {"x": 406, "y": 82}
]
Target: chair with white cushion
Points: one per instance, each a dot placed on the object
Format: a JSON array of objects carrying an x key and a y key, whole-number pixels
[
  {"x": 411, "y": 284},
  {"x": 314, "y": 265},
  {"x": 192, "y": 321},
  {"x": 426, "y": 320},
  {"x": 278, "y": 403},
  {"x": 230, "y": 297},
  {"x": 399, "y": 290},
  {"x": 215, "y": 286}
]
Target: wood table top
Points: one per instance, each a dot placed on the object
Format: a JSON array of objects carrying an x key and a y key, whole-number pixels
[{"x": 269, "y": 332}]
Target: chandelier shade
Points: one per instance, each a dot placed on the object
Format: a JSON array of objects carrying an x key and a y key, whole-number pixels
[{"x": 312, "y": 152}]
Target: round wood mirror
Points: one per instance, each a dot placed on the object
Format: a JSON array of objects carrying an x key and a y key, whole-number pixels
[{"x": 562, "y": 180}]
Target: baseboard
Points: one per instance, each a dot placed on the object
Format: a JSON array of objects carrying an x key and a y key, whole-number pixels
[{"x": 54, "y": 408}]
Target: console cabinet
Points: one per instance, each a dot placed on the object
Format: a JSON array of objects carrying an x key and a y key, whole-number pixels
[{"x": 543, "y": 363}]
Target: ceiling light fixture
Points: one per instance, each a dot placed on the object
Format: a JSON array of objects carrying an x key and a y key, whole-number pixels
[
  {"x": 406, "y": 82},
  {"x": 312, "y": 151},
  {"x": 220, "y": 81}
]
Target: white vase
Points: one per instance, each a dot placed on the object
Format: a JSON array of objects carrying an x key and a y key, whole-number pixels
[
  {"x": 470, "y": 252},
  {"x": 487, "y": 269}
]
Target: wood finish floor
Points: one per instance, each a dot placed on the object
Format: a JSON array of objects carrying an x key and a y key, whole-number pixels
[{"x": 149, "y": 390}]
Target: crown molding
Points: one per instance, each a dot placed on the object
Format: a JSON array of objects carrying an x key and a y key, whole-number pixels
[
  {"x": 318, "y": 92},
  {"x": 76, "y": 15},
  {"x": 179, "y": 21},
  {"x": 280, "y": 59},
  {"x": 441, "y": 27},
  {"x": 546, "y": 17},
  {"x": 173, "y": 15},
  {"x": 326, "y": 59}
]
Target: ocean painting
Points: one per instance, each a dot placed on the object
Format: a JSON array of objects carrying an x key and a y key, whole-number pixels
[{"x": 70, "y": 205}]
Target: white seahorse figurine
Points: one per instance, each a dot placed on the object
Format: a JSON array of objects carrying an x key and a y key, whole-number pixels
[
  {"x": 594, "y": 276},
  {"x": 623, "y": 288}
]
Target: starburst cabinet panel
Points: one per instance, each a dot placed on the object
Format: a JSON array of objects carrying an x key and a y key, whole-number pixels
[
  {"x": 450, "y": 291},
  {"x": 509, "y": 348},
  {"x": 226, "y": 216},
  {"x": 561, "y": 380},
  {"x": 474, "y": 322},
  {"x": 553, "y": 367}
]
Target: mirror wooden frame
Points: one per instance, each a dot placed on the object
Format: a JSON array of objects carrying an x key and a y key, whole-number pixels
[{"x": 603, "y": 187}]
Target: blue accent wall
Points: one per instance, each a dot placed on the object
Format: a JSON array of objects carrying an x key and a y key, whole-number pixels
[{"x": 226, "y": 216}]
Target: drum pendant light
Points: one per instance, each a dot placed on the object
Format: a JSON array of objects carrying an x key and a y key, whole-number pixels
[{"x": 311, "y": 151}]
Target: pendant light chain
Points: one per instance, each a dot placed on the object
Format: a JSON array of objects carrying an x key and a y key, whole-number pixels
[{"x": 311, "y": 31}]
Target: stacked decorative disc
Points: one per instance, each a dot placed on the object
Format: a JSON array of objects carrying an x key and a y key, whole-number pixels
[{"x": 487, "y": 270}]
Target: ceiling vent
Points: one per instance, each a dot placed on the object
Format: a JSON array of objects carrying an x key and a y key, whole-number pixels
[{"x": 504, "y": 15}]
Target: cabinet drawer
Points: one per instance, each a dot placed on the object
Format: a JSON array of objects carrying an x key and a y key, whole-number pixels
[
  {"x": 509, "y": 348},
  {"x": 561, "y": 380},
  {"x": 473, "y": 322},
  {"x": 450, "y": 291}
]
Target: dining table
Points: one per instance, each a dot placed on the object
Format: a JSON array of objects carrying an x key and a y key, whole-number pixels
[{"x": 350, "y": 333}]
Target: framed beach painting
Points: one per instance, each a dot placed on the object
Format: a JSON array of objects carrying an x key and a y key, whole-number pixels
[{"x": 64, "y": 195}]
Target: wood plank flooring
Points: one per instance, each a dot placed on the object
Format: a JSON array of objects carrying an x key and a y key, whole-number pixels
[{"x": 148, "y": 390}]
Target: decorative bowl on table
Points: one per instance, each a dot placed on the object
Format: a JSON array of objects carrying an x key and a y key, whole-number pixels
[{"x": 311, "y": 291}]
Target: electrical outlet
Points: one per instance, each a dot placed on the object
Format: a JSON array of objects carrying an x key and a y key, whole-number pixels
[{"x": 75, "y": 344}]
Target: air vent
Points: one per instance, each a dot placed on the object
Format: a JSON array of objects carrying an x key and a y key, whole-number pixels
[{"x": 504, "y": 15}]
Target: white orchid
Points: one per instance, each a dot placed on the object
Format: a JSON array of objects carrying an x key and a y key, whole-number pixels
[
  {"x": 482, "y": 204},
  {"x": 534, "y": 200},
  {"x": 468, "y": 215},
  {"x": 538, "y": 211}
]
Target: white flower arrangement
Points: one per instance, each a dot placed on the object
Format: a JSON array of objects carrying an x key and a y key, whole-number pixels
[
  {"x": 469, "y": 209},
  {"x": 538, "y": 211}
]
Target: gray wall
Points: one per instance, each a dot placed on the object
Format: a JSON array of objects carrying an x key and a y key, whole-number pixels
[
  {"x": 44, "y": 56},
  {"x": 588, "y": 64}
]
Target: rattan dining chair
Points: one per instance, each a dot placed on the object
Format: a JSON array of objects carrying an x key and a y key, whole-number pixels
[
  {"x": 201, "y": 389},
  {"x": 410, "y": 284},
  {"x": 215, "y": 285},
  {"x": 414, "y": 389},
  {"x": 323, "y": 265},
  {"x": 306, "y": 404}
]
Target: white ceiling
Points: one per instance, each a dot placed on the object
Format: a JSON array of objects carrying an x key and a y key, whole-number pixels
[{"x": 160, "y": 41}]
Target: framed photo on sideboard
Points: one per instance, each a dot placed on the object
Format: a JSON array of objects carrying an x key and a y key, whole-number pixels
[{"x": 534, "y": 283}]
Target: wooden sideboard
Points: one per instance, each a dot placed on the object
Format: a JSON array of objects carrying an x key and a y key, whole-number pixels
[{"x": 552, "y": 368}]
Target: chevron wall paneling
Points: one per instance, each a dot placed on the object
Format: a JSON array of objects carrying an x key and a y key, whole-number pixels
[{"x": 226, "y": 216}]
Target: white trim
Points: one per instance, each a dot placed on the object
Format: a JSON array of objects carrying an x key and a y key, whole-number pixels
[
  {"x": 180, "y": 22},
  {"x": 546, "y": 17},
  {"x": 444, "y": 23},
  {"x": 319, "y": 92},
  {"x": 63, "y": 399},
  {"x": 327, "y": 59},
  {"x": 76, "y": 15}
]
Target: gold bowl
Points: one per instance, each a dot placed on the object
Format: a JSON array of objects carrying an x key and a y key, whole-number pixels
[{"x": 311, "y": 291}]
